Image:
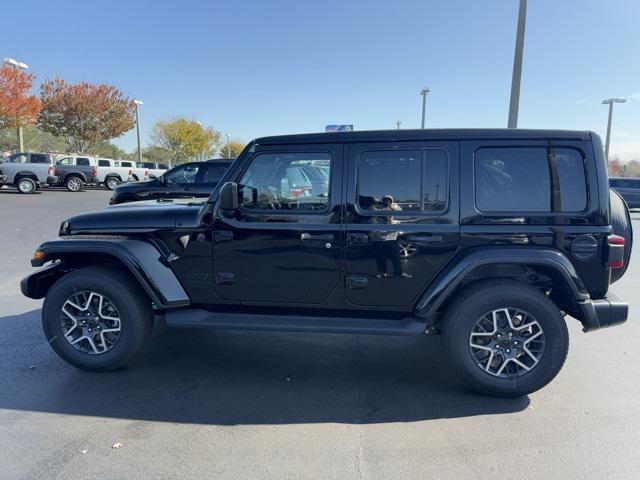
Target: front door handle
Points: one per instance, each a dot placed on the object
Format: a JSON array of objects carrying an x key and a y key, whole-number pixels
[
  {"x": 318, "y": 237},
  {"x": 425, "y": 239}
]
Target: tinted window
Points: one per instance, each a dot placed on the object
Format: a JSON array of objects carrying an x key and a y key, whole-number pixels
[
  {"x": 212, "y": 173},
  {"x": 163, "y": 166},
  {"x": 182, "y": 174},
  {"x": 104, "y": 163},
  {"x": 64, "y": 161},
  {"x": 147, "y": 165},
  {"x": 277, "y": 181},
  {"x": 521, "y": 180},
  {"x": 39, "y": 158},
  {"x": 17, "y": 158},
  {"x": 407, "y": 181},
  {"x": 126, "y": 164},
  {"x": 82, "y": 161}
]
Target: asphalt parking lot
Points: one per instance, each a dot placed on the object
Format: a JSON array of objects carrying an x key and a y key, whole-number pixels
[{"x": 272, "y": 406}]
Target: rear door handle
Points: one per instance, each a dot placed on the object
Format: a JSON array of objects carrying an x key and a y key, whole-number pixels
[{"x": 318, "y": 237}]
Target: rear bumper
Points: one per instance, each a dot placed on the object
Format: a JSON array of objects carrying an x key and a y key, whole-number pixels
[{"x": 604, "y": 312}]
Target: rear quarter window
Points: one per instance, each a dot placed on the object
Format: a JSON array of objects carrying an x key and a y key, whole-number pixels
[{"x": 530, "y": 179}]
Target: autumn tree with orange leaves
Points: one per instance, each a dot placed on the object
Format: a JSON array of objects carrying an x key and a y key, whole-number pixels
[
  {"x": 84, "y": 114},
  {"x": 18, "y": 107}
]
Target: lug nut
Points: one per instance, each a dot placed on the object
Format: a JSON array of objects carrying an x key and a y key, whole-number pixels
[
  {"x": 515, "y": 343},
  {"x": 498, "y": 335},
  {"x": 508, "y": 351}
]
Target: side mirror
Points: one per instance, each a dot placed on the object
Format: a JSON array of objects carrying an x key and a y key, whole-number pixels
[{"x": 229, "y": 197}]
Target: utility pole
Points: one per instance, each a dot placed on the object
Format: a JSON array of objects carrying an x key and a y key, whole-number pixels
[
  {"x": 228, "y": 145},
  {"x": 398, "y": 124},
  {"x": 138, "y": 103},
  {"x": 424, "y": 92},
  {"x": 517, "y": 66},
  {"x": 18, "y": 66},
  {"x": 610, "y": 102}
]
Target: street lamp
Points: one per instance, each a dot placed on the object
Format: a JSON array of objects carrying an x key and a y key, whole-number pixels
[
  {"x": 18, "y": 66},
  {"x": 138, "y": 103},
  {"x": 514, "y": 102},
  {"x": 228, "y": 145},
  {"x": 610, "y": 102},
  {"x": 424, "y": 92},
  {"x": 398, "y": 124}
]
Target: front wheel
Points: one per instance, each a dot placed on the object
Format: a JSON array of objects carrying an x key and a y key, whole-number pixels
[
  {"x": 505, "y": 338},
  {"x": 96, "y": 318},
  {"x": 74, "y": 184},
  {"x": 112, "y": 183}
]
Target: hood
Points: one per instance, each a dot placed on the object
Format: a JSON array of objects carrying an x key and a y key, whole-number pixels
[{"x": 136, "y": 217}]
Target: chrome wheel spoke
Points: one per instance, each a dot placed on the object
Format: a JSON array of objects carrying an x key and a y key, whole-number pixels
[
  {"x": 90, "y": 322},
  {"x": 507, "y": 342}
]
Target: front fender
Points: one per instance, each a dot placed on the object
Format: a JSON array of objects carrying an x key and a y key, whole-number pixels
[
  {"x": 142, "y": 259},
  {"x": 446, "y": 283}
]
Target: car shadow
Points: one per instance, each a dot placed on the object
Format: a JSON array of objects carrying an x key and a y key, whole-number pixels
[{"x": 230, "y": 378}]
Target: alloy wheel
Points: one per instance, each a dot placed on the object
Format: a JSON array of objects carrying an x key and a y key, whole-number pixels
[
  {"x": 25, "y": 186},
  {"x": 507, "y": 342},
  {"x": 74, "y": 184},
  {"x": 90, "y": 322}
]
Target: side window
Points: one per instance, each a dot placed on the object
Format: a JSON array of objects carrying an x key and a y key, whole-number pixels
[
  {"x": 104, "y": 163},
  {"x": 212, "y": 173},
  {"x": 18, "y": 158},
  {"x": 182, "y": 174},
  {"x": 39, "y": 158},
  {"x": 126, "y": 164},
  {"x": 82, "y": 161},
  {"x": 403, "y": 180},
  {"x": 64, "y": 161},
  {"x": 280, "y": 181},
  {"x": 519, "y": 179}
]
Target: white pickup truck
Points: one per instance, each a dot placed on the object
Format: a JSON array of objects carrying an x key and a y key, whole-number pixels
[{"x": 112, "y": 173}]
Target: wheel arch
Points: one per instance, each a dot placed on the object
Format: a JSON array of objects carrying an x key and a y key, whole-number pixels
[
  {"x": 80, "y": 175},
  {"x": 548, "y": 270},
  {"x": 141, "y": 259}
]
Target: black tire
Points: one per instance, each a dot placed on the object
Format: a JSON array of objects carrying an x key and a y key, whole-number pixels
[
  {"x": 74, "y": 183},
  {"x": 26, "y": 185},
  {"x": 476, "y": 302},
  {"x": 122, "y": 291},
  {"x": 112, "y": 183},
  {"x": 621, "y": 223}
]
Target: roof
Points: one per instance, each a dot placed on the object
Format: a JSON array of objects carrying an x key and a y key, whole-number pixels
[{"x": 427, "y": 134}]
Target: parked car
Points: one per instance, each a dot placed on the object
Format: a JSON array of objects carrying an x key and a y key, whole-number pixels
[
  {"x": 140, "y": 173},
  {"x": 628, "y": 188},
  {"x": 28, "y": 171},
  {"x": 498, "y": 260},
  {"x": 153, "y": 166},
  {"x": 74, "y": 172},
  {"x": 194, "y": 179}
]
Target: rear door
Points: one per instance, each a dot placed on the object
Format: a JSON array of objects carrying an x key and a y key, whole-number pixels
[{"x": 402, "y": 219}]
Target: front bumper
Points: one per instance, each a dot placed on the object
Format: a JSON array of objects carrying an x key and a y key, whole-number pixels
[
  {"x": 604, "y": 312},
  {"x": 52, "y": 179}
]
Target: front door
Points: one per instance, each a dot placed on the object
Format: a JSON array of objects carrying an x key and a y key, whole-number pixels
[
  {"x": 285, "y": 242},
  {"x": 401, "y": 221}
]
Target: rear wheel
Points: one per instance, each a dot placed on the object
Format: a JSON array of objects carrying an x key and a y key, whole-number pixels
[
  {"x": 74, "y": 184},
  {"x": 96, "y": 318},
  {"x": 27, "y": 185},
  {"x": 505, "y": 338}
]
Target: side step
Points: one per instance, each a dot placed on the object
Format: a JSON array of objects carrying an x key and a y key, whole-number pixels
[{"x": 195, "y": 317}]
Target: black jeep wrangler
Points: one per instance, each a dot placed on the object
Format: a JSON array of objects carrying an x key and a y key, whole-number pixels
[{"x": 489, "y": 237}]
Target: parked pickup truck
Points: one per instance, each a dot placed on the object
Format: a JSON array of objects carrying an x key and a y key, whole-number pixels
[
  {"x": 143, "y": 171},
  {"x": 74, "y": 172},
  {"x": 28, "y": 171},
  {"x": 109, "y": 172}
]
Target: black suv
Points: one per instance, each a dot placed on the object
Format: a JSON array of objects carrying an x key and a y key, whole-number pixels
[
  {"x": 628, "y": 188},
  {"x": 504, "y": 232},
  {"x": 194, "y": 179}
]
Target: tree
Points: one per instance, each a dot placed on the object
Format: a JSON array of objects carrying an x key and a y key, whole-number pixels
[
  {"x": 614, "y": 167},
  {"x": 84, "y": 114},
  {"x": 154, "y": 154},
  {"x": 36, "y": 139},
  {"x": 231, "y": 149},
  {"x": 632, "y": 168},
  {"x": 109, "y": 150},
  {"x": 184, "y": 139},
  {"x": 18, "y": 107}
]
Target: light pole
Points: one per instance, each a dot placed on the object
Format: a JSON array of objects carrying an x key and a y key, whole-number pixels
[
  {"x": 398, "y": 124},
  {"x": 18, "y": 66},
  {"x": 517, "y": 66},
  {"x": 424, "y": 92},
  {"x": 228, "y": 145},
  {"x": 610, "y": 102},
  {"x": 138, "y": 103}
]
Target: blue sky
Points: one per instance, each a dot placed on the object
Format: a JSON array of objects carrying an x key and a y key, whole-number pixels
[{"x": 253, "y": 68}]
